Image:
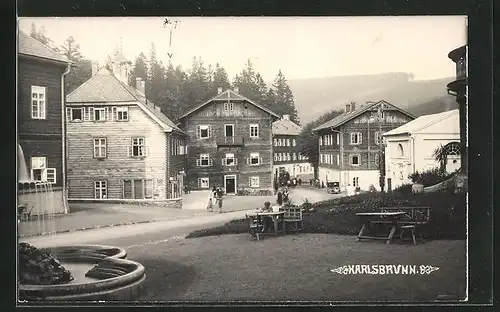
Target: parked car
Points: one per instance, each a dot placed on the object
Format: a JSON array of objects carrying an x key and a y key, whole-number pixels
[{"x": 333, "y": 188}]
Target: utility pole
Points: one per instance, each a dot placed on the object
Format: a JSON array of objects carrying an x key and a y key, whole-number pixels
[{"x": 381, "y": 158}]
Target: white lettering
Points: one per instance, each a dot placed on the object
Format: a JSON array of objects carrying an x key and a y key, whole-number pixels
[
  {"x": 389, "y": 269},
  {"x": 351, "y": 269},
  {"x": 374, "y": 269},
  {"x": 405, "y": 269},
  {"x": 413, "y": 269},
  {"x": 365, "y": 269},
  {"x": 381, "y": 269}
]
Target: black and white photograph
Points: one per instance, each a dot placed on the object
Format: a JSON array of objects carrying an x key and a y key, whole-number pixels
[{"x": 242, "y": 159}]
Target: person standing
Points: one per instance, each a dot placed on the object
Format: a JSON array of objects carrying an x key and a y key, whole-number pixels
[
  {"x": 279, "y": 198},
  {"x": 219, "y": 199}
]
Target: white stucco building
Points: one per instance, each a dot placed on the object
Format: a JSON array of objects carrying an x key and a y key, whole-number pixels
[{"x": 410, "y": 148}]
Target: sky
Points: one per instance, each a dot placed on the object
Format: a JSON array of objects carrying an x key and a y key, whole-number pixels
[{"x": 301, "y": 47}]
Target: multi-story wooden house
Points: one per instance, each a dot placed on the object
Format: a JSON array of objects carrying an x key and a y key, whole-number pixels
[
  {"x": 230, "y": 144},
  {"x": 40, "y": 117},
  {"x": 286, "y": 154},
  {"x": 120, "y": 145},
  {"x": 350, "y": 144}
]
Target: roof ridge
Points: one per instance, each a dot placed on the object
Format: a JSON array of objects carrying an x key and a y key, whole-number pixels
[{"x": 444, "y": 116}]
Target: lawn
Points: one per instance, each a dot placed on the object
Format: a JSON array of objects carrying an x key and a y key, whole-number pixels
[
  {"x": 297, "y": 268},
  {"x": 337, "y": 216}
]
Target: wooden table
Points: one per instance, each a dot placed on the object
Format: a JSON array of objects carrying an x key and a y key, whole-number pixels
[
  {"x": 367, "y": 217},
  {"x": 275, "y": 216}
]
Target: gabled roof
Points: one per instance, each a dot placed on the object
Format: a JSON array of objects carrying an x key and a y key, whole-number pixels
[
  {"x": 32, "y": 47},
  {"x": 345, "y": 117},
  {"x": 229, "y": 95},
  {"x": 286, "y": 127},
  {"x": 104, "y": 87},
  {"x": 422, "y": 122}
]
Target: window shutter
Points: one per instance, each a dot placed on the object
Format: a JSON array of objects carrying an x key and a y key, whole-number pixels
[
  {"x": 109, "y": 115},
  {"x": 129, "y": 150},
  {"x": 198, "y": 132},
  {"x": 250, "y": 182},
  {"x": 260, "y": 160},
  {"x": 199, "y": 182},
  {"x": 360, "y": 138},
  {"x": 210, "y": 162},
  {"x": 248, "y": 161},
  {"x": 224, "y": 162},
  {"x": 115, "y": 114},
  {"x": 91, "y": 113},
  {"x": 235, "y": 161},
  {"x": 85, "y": 113},
  {"x": 68, "y": 114},
  {"x": 146, "y": 150},
  {"x": 209, "y": 131},
  {"x": 198, "y": 163}
]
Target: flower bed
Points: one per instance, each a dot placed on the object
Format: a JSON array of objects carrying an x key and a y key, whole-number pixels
[
  {"x": 338, "y": 216},
  {"x": 39, "y": 268}
]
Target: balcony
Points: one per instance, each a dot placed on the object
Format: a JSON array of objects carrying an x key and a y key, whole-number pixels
[{"x": 230, "y": 141}]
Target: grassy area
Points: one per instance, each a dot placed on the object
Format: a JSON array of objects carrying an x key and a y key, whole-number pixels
[{"x": 338, "y": 215}]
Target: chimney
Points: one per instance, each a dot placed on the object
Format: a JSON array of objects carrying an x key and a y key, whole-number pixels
[
  {"x": 158, "y": 109},
  {"x": 353, "y": 106},
  {"x": 219, "y": 90},
  {"x": 95, "y": 66},
  {"x": 347, "y": 108},
  {"x": 286, "y": 117},
  {"x": 236, "y": 89},
  {"x": 140, "y": 85}
]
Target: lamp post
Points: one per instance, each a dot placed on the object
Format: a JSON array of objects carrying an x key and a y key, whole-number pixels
[{"x": 458, "y": 88}]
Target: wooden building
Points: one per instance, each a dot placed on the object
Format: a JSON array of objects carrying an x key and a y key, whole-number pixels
[
  {"x": 40, "y": 117},
  {"x": 350, "y": 144},
  {"x": 230, "y": 144},
  {"x": 120, "y": 145},
  {"x": 287, "y": 155}
]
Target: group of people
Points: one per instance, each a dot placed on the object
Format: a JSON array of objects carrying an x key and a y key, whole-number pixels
[
  {"x": 283, "y": 196},
  {"x": 215, "y": 199},
  {"x": 289, "y": 183}
]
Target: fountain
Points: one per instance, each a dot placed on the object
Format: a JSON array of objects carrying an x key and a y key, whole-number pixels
[{"x": 83, "y": 272}]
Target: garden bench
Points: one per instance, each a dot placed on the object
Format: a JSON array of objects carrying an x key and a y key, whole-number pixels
[
  {"x": 293, "y": 216},
  {"x": 413, "y": 220}
]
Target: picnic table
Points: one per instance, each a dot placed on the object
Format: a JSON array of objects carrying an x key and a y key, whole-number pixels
[
  {"x": 367, "y": 219},
  {"x": 275, "y": 216}
]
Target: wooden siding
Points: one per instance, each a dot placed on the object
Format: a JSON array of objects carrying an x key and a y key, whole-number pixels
[
  {"x": 51, "y": 149},
  {"x": 117, "y": 166},
  {"x": 214, "y": 115},
  {"x": 43, "y": 74},
  {"x": 367, "y": 149}
]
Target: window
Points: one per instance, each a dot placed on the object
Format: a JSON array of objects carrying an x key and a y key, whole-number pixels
[
  {"x": 120, "y": 113},
  {"x": 101, "y": 189},
  {"x": 88, "y": 113},
  {"x": 294, "y": 156},
  {"x": 254, "y": 182},
  {"x": 355, "y": 181},
  {"x": 75, "y": 114},
  {"x": 203, "y": 183},
  {"x": 40, "y": 172},
  {"x": 100, "y": 114},
  {"x": 229, "y": 130},
  {"x": 355, "y": 138},
  {"x": 338, "y": 159},
  {"x": 254, "y": 131},
  {"x": 287, "y": 142},
  {"x": 320, "y": 158},
  {"x": 320, "y": 141},
  {"x": 99, "y": 148},
  {"x": 203, "y": 131},
  {"x": 138, "y": 147},
  {"x": 293, "y": 142},
  {"x": 228, "y": 106},
  {"x": 280, "y": 158},
  {"x": 275, "y": 157},
  {"x": 38, "y": 102},
  {"x": 355, "y": 160},
  {"x": 377, "y": 158},
  {"x": 338, "y": 138},
  {"x": 401, "y": 151},
  {"x": 254, "y": 159},
  {"x": 275, "y": 142},
  {"x": 229, "y": 160},
  {"x": 204, "y": 161},
  {"x": 378, "y": 137}
]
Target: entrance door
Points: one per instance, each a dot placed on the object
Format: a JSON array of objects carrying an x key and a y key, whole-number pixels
[
  {"x": 229, "y": 131},
  {"x": 138, "y": 189},
  {"x": 230, "y": 184}
]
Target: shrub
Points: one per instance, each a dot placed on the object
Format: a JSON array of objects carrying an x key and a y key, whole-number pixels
[
  {"x": 39, "y": 268},
  {"x": 429, "y": 177},
  {"x": 404, "y": 189}
]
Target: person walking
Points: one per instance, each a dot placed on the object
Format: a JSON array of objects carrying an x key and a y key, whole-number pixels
[
  {"x": 286, "y": 195},
  {"x": 279, "y": 199},
  {"x": 219, "y": 199},
  {"x": 211, "y": 200}
]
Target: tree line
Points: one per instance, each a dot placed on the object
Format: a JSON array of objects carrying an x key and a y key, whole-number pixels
[{"x": 176, "y": 90}]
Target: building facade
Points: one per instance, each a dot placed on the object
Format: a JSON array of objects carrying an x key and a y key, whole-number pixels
[
  {"x": 40, "y": 117},
  {"x": 410, "y": 148},
  {"x": 350, "y": 144},
  {"x": 120, "y": 145},
  {"x": 230, "y": 145},
  {"x": 286, "y": 154}
]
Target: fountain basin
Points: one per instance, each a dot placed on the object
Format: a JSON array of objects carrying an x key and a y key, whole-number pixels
[{"x": 112, "y": 277}]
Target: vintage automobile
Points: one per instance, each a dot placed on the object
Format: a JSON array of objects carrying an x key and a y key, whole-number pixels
[{"x": 333, "y": 187}]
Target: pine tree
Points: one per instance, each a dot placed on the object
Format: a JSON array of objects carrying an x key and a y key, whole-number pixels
[
  {"x": 285, "y": 103},
  {"x": 219, "y": 79},
  {"x": 82, "y": 69},
  {"x": 197, "y": 86},
  {"x": 155, "y": 82},
  {"x": 140, "y": 69},
  {"x": 40, "y": 36},
  {"x": 250, "y": 84}
]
